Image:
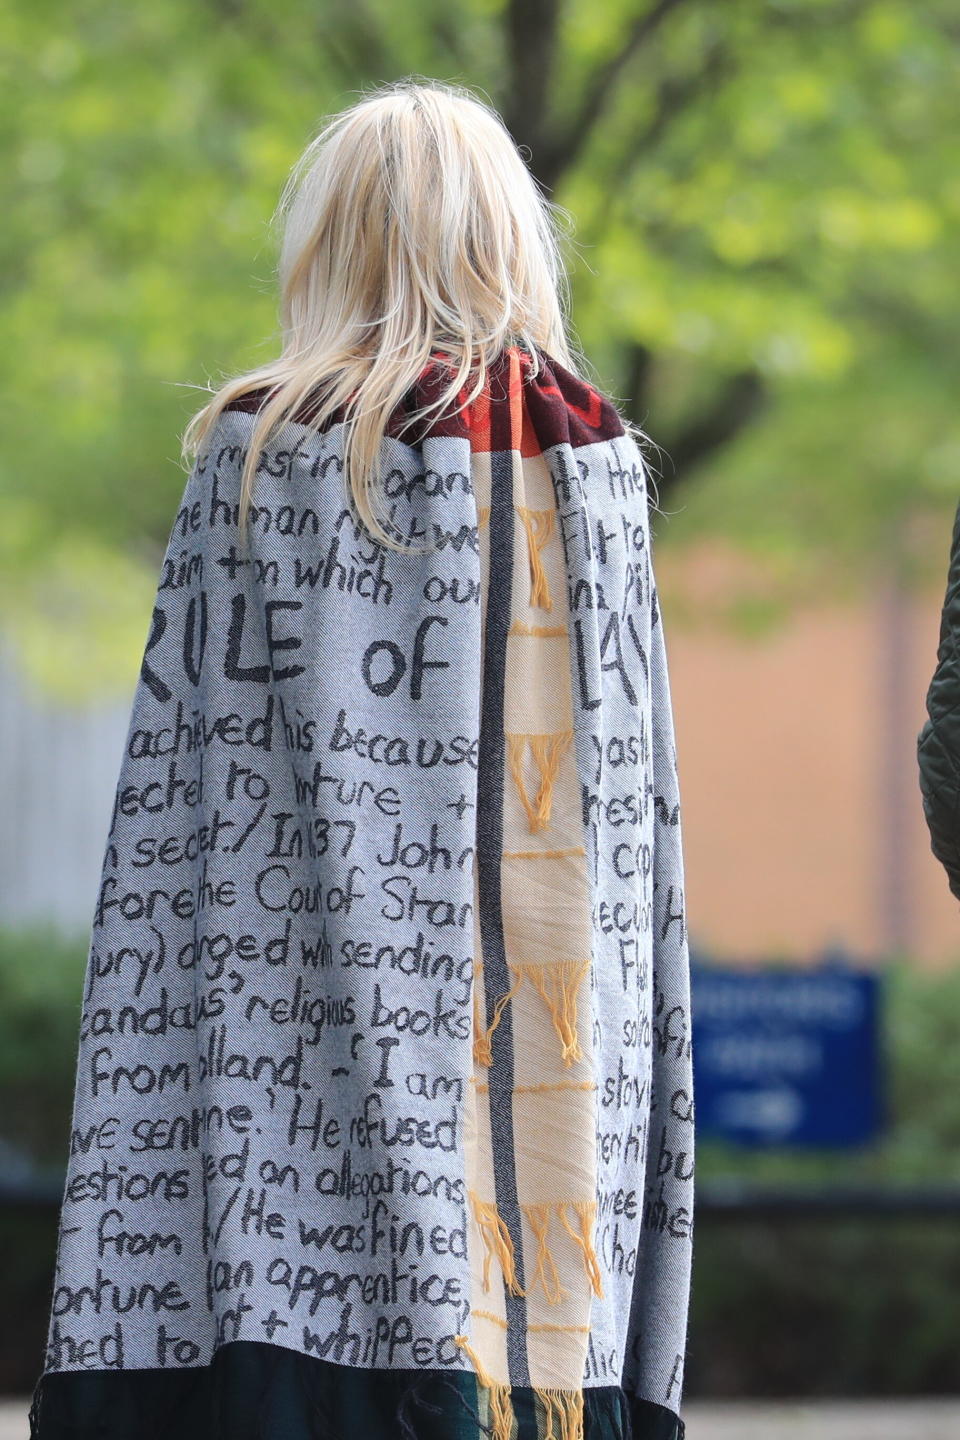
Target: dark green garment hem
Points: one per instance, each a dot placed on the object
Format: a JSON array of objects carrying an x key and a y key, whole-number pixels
[{"x": 253, "y": 1390}]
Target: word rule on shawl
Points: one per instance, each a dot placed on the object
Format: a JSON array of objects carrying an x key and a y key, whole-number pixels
[{"x": 383, "y": 1122}]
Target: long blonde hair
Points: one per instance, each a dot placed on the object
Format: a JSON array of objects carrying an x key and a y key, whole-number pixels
[{"x": 410, "y": 223}]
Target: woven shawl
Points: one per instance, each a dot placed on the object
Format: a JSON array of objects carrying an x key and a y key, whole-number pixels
[{"x": 383, "y": 1119}]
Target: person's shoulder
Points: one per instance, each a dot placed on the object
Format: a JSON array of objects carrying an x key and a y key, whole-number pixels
[
  {"x": 564, "y": 406},
  {"x": 424, "y": 390},
  {"x": 252, "y": 401},
  {"x": 568, "y": 404},
  {"x": 527, "y": 393}
]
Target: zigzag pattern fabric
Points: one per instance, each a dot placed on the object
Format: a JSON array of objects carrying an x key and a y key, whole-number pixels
[{"x": 384, "y": 1085}]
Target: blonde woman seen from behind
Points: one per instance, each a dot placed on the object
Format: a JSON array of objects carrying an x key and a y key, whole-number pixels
[{"x": 383, "y": 1118}]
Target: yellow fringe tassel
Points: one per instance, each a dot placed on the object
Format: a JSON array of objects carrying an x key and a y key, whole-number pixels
[
  {"x": 543, "y": 1089},
  {"x": 561, "y": 1329},
  {"x": 501, "y": 1411},
  {"x": 496, "y": 1238},
  {"x": 483, "y": 1034},
  {"x": 557, "y": 982},
  {"x": 501, "y": 1406},
  {"x": 586, "y": 1211},
  {"x": 568, "y": 1405},
  {"x": 548, "y": 750},
  {"x": 483, "y": 515},
  {"x": 543, "y": 854},
  {"x": 520, "y": 627},
  {"x": 545, "y": 1328},
  {"x": 539, "y": 1217},
  {"x": 539, "y": 525},
  {"x": 483, "y": 1374}
]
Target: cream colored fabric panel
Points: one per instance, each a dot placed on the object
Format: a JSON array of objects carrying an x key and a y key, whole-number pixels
[{"x": 547, "y": 935}]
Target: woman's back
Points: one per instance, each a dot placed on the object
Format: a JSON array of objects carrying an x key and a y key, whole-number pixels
[{"x": 383, "y": 1117}]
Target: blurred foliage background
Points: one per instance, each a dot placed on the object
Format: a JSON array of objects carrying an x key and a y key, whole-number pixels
[{"x": 766, "y": 197}]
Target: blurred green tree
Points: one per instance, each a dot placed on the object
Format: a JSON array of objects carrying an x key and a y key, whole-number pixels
[{"x": 766, "y": 217}]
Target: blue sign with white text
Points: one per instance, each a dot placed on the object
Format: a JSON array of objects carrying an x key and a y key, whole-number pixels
[{"x": 787, "y": 1056}]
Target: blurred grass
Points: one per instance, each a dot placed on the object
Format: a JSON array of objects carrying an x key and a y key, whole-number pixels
[{"x": 41, "y": 983}]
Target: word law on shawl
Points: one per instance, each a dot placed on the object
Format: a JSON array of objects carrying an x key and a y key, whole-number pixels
[{"x": 383, "y": 1118}]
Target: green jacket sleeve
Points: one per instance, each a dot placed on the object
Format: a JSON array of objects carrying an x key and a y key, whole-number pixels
[{"x": 938, "y": 744}]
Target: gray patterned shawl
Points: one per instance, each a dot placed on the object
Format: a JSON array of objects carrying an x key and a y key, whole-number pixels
[{"x": 385, "y": 1064}]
